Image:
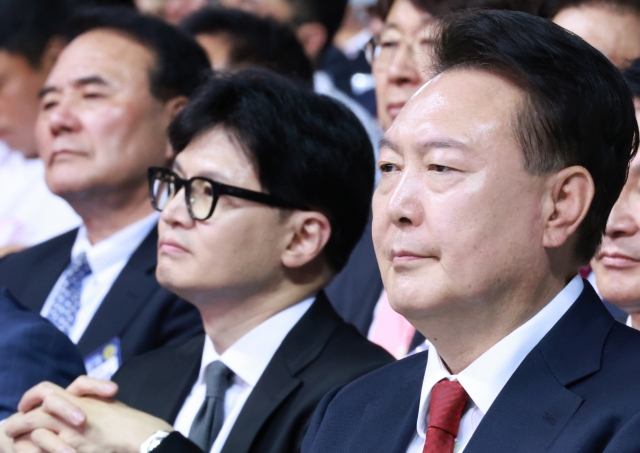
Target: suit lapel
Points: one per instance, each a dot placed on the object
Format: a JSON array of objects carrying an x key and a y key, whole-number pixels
[
  {"x": 537, "y": 402},
  {"x": 55, "y": 260},
  {"x": 300, "y": 347},
  {"x": 184, "y": 371},
  {"x": 129, "y": 293}
]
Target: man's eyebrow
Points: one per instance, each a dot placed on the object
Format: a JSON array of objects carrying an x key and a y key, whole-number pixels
[
  {"x": 46, "y": 90},
  {"x": 444, "y": 143},
  {"x": 90, "y": 80},
  {"x": 386, "y": 143},
  {"x": 83, "y": 81}
]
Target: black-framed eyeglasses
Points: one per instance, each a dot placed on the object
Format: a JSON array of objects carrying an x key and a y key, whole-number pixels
[{"x": 202, "y": 194}]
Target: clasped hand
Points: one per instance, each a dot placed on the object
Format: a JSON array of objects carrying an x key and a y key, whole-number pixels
[{"x": 84, "y": 418}]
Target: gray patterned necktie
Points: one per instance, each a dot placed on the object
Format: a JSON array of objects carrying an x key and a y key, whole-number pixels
[
  {"x": 209, "y": 419},
  {"x": 66, "y": 303}
]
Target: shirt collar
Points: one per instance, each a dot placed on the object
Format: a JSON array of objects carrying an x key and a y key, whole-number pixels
[
  {"x": 485, "y": 378},
  {"x": 249, "y": 356},
  {"x": 116, "y": 247}
]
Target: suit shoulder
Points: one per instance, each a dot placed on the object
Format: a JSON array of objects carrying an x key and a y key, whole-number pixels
[{"x": 40, "y": 251}]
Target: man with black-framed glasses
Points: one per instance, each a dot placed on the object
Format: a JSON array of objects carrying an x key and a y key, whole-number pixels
[{"x": 269, "y": 192}]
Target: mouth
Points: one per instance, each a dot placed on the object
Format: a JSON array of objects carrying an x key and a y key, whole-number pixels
[
  {"x": 170, "y": 246},
  {"x": 617, "y": 260},
  {"x": 405, "y": 257},
  {"x": 394, "y": 108},
  {"x": 64, "y": 154}
]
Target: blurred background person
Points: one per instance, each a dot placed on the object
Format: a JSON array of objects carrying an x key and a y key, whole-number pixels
[
  {"x": 103, "y": 116},
  {"x": 234, "y": 40},
  {"x": 616, "y": 266},
  {"x": 611, "y": 26},
  {"x": 315, "y": 23},
  {"x": 30, "y": 42},
  {"x": 345, "y": 60}
]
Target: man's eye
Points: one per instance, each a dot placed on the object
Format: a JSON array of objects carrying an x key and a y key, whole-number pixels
[
  {"x": 47, "y": 105},
  {"x": 92, "y": 95},
  {"x": 389, "y": 44},
  {"x": 387, "y": 168},
  {"x": 438, "y": 168}
]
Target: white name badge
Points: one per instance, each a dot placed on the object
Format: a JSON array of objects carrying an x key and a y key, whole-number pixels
[{"x": 104, "y": 361}]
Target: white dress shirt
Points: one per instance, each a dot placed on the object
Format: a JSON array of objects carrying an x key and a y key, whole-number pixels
[
  {"x": 485, "y": 378},
  {"x": 107, "y": 258},
  {"x": 29, "y": 212},
  {"x": 247, "y": 358}
]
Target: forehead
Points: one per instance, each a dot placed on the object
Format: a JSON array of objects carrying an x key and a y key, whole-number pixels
[
  {"x": 106, "y": 53},
  {"x": 406, "y": 18},
  {"x": 280, "y": 10},
  {"x": 216, "y": 154},
  {"x": 464, "y": 104}
]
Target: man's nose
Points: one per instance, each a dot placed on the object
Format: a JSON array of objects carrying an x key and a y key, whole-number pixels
[{"x": 63, "y": 118}]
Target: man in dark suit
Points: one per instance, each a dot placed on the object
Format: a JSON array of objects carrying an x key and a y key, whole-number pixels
[
  {"x": 33, "y": 351},
  {"x": 100, "y": 127},
  {"x": 498, "y": 178},
  {"x": 252, "y": 250}
]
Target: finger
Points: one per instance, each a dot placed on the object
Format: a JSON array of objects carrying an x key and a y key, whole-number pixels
[
  {"x": 60, "y": 407},
  {"x": 50, "y": 442},
  {"x": 24, "y": 445},
  {"x": 36, "y": 395},
  {"x": 21, "y": 424},
  {"x": 86, "y": 386}
]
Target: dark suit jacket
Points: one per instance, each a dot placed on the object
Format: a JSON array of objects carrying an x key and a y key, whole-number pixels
[
  {"x": 319, "y": 353},
  {"x": 356, "y": 290},
  {"x": 577, "y": 391},
  {"x": 32, "y": 350},
  {"x": 140, "y": 312}
]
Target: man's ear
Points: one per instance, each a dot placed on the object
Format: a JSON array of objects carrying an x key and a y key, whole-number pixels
[
  {"x": 570, "y": 195},
  {"x": 51, "y": 53},
  {"x": 310, "y": 232},
  {"x": 172, "y": 107},
  {"x": 313, "y": 36}
]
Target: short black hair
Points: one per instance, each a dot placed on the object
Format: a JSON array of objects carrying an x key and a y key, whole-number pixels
[
  {"x": 329, "y": 13},
  {"x": 577, "y": 108},
  {"x": 550, "y": 8},
  {"x": 439, "y": 8},
  {"x": 27, "y": 26},
  {"x": 94, "y": 3},
  {"x": 181, "y": 63},
  {"x": 632, "y": 77},
  {"x": 254, "y": 41},
  {"x": 306, "y": 148}
]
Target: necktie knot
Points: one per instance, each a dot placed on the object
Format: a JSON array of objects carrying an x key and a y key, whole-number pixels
[
  {"x": 448, "y": 400},
  {"x": 218, "y": 378},
  {"x": 79, "y": 267}
]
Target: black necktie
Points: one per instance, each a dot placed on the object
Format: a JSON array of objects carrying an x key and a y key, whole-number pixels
[{"x": 210, "y": 417}]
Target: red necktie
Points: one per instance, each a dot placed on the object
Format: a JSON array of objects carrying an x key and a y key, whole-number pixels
[{"x": 448, "y": 400}]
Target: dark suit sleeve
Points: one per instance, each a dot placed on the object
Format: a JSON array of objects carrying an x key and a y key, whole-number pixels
[
  {"x": 318, "y": 416},
  {"x": 176, "y": 443},
  {"x": 33, "y": 350}
]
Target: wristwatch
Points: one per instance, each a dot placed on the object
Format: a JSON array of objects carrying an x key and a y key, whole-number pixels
[{"x": 152, "y": 442}]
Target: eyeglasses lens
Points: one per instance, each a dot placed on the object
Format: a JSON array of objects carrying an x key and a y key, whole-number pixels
[
  {"x": 201, "y": 198},
  {"x": 163, "y": 191}
]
